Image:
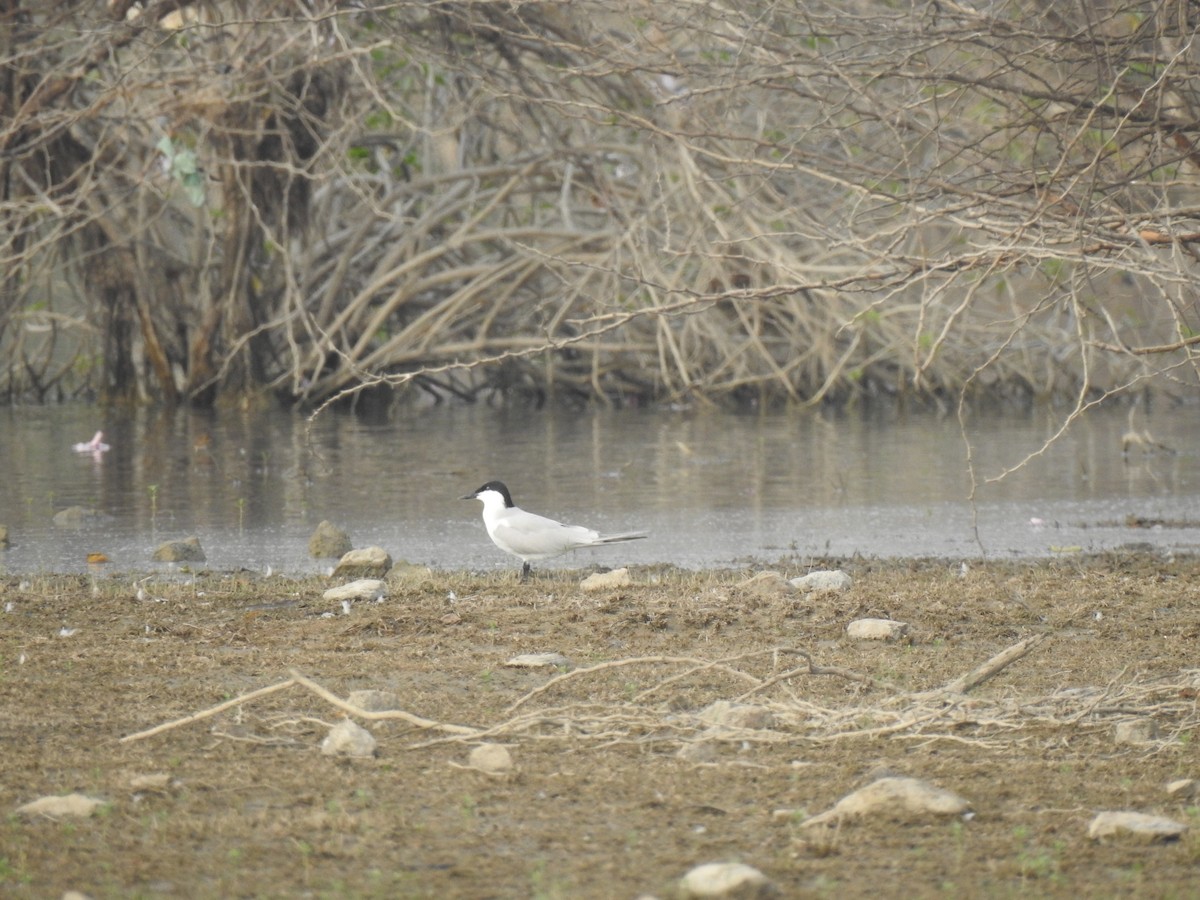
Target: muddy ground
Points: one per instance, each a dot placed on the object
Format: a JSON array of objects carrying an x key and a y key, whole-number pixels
[{"x": 600, "y": 803}]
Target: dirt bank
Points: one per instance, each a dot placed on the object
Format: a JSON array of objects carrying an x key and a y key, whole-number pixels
[{"x": 599, "y": 802}]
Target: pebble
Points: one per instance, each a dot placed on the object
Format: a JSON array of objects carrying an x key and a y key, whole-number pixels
[
  {"x": 348, "y": 738},
  {"x": 876, "y": 630},
  {"x": 1135, "y": 825},
  {"x": 187, "y": 550},
  {"x": 600, "y": 581},
  {"x": 491, "y": 758},
  {"x": 732, "y": 880},
  {"x": 1135, "y": 731},
  {"x": 1184, "y": 788},
  {"x": 895, "y": 797},
  {"x": 369, "y": 562},
  {"x": 825, "y": 581},
  {"x": 329, "y": 542},
  {"x": 362, "y": 589}
]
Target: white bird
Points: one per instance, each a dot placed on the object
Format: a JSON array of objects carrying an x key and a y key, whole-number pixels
[
  {"x": 96, "y": 445},
  {"x": 529, "y": 536}
]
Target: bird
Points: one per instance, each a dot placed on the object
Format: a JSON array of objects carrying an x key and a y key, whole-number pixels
[
  {"x": 95, "y": 446},
  {"x": 529, "y": 536}
]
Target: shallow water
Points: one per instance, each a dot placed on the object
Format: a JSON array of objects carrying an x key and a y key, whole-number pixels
[{"x": 712, "y": 488}]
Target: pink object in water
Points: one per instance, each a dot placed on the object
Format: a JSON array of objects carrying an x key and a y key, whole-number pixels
[{"x": 95, "y": 445}]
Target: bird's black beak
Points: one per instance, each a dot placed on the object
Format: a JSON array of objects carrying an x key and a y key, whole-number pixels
[{"x": 467, "y": 497}]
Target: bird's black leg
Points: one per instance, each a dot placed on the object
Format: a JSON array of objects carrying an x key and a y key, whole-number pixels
[{"x": 525, "y": 570}]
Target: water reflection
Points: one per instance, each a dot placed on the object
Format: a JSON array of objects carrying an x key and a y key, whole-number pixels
[{"x": 712, "y": 487}]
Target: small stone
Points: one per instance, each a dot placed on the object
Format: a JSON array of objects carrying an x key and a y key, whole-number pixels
[
  {"x": 328, "y": 542},
  {"x": 79, "y": 517},
  {"x": 876, "y": 630},
  {"x": 730, "y": 880},
  {"x": 66, "y": 805},
  {"x": 1184, "y": 788},
  {"x": 894, "y": 798},
  {"x": 1135, "y": 731},
  {"x": 369, "y": 562},
  {"x": 187, "y": 550},
  {"x": 824, "y": 581},
  {"x": 348, "y": 738},
  {"x": 599, "y": 581},
  {"x": 737, "y": 715},
  {"x": 538, "y": 661},
  {"x": 491, "y": 758},
  {"x": 1135, "y": 825},
  {"x": 74, "y": 895},
  {"x": 363, "y": 589}
]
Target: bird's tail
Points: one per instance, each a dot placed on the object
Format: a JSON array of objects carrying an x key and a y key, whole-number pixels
[{"x": 626, "y": 536}]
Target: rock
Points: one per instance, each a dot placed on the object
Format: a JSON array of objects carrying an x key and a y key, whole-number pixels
[
  {"x": 373, "y": 701},
  {"x": 825, "y": 581},
  {"x": 599, "y": 581},
  {"x": 1135, "y": 731},
  {"x": 898, "y": 798},
  {"x": 3, "y": 536},
  {"x": 187, "y": 550},
  {"x": 766, "y": 584},
  {"x": 65, "y": 805},
  {"x": 1135, "y": 825},
  {"x": 74, "y": 895},
  {"x": 876, "y": 630},
  {"x": 737, "y": 715},
  {"x": 1184, "y": 788},
  {"x": 362, "y": 589},
  {"x": 491, "y": 758},
  {"x": 731, "y": 880},
  {"x": 328, "y": 542},
  {"x": 348, "y": 738},
  {"x": 79, "y": 517},
  {"x": 370, "y": 562},
  {"x": 538, "y": 661}
]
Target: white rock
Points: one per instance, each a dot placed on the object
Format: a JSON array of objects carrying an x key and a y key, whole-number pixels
[
  {"x": 895, "y": 798},
  {"x": 876, "y": 630},
  {"x": 538, "y": 661},
  {"x": 65, "y": 805},
  {"x": 1135, "y": 731},
  {"x": 737, "y": 715},
  {"x": 1184, "y": 788},
  {"x": 491, "y": 758},
  {"x": 834, "y": 580},
  {"x": 369, "y": 562},
  {"x": 726, "y": 880},
  {"x": 1134, "y": 824},
  {"x": 362, "y": 589},
  {"x": 599, "y": 581},
  {"x": 348, "y": 738}
]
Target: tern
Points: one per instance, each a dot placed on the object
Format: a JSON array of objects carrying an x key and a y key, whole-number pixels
[{"x": 529, "y": 536}]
